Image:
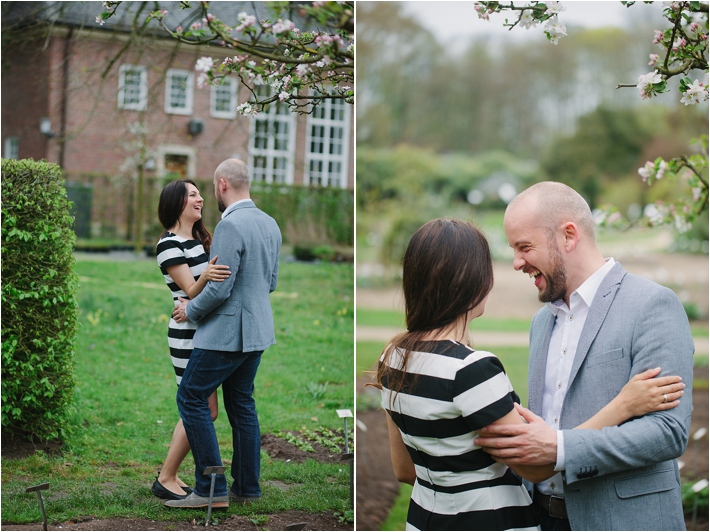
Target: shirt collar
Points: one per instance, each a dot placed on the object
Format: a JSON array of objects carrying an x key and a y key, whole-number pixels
[
  {"x": 233, "y": 206},
  {"x": 587, "y": 290}
]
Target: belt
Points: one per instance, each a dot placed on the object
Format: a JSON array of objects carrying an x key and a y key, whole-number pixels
[{"x": 554, "y": 506}]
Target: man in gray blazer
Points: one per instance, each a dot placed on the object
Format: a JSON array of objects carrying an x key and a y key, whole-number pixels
[
  {"x": 600, "y": 327},
  {"x": 235, "y": 327}
]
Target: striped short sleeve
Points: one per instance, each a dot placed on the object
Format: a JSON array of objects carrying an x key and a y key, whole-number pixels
[
  {"x": 482, "y": 391},
  {"x": 170, "y": 253}
]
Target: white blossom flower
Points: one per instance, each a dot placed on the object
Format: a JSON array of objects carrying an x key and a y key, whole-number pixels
[
  {"x": 302, "y": 69},
  {"x": 662, "y": 168},
  {"x": 282, "y": 26},
  {"x": 247, "y": 109},
  {"x": 204, "y": 64},
  {"x": 681, "y": 224},
  {"x": 202, "y": 80},
  {"x": 481, "y": 10},
  {"x": 679, "y": 44},
  {"x": 696, "y": 92},
  {"x": 527, "y": 21},
  {"x": 646, "y": 171},
  {"x": 554, "y": 7},
  {"x": 100, "y": 20},
  {"x": 245, "y": 21},
  {"x": 672, "y": 5},
  {"x": 555, "y": 30},
  {"x": 653, "y": 59},
  {"x": 284, "y": 96},
  {"x": 646, "y": 84}
]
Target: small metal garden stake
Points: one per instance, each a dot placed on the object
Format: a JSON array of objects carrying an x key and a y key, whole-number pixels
[
  {"x": 345, "y": 414},
  {"x": 38, "y": 490},
  {"x": 697, "y": 436},
  {"x": 697, "y": 488},
  {"x": 212, "y": 471}
]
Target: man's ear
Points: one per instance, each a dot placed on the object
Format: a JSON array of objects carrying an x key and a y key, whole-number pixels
[{"x": 570, "y": 231}]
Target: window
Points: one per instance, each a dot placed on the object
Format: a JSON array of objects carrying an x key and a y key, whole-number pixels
[
  {"x": 271, "y": 150},
  {"x": 176, "y": 161},
  {"x": 179, "y": 86},
  {"x": 11, "y": 150},
  {"x": 327, "y": 144},
  {"x": 223, "y": 99},
  {"x": 132, "y": 87}
]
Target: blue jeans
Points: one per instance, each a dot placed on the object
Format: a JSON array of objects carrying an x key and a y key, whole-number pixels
[{"x": 235, "y": 371}]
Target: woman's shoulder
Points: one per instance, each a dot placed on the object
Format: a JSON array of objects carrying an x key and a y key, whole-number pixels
[
  {"x": 171, "y": 240},
  {"x": 170, "y": 237}
]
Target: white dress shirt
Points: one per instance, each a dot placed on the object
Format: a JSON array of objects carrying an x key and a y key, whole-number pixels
[{"x": 566, "y": 332}]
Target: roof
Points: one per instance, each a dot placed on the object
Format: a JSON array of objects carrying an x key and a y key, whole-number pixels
[{"x": 83, "y": 14}]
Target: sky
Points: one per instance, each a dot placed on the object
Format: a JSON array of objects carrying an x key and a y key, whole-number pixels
[{"x": 456, "y": 21}]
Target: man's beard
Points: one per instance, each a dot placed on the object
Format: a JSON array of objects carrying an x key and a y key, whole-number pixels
[
  {"x": 555, "y": 282},
  {"x": 220, "y": 203}
]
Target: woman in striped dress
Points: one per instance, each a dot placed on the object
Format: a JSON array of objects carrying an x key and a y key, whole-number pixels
[
  {"x": 439, "y": 392},
  {"x": 183, "y": 257}
]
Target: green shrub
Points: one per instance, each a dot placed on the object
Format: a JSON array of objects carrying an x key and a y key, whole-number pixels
[
  {"x": 39, "y": 303},
  {"x": 309, "y": 215}
]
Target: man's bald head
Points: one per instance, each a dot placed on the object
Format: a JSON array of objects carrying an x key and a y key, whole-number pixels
[
  {"x": 553, "y": 204},
  {"x": 235, "y": 173}
]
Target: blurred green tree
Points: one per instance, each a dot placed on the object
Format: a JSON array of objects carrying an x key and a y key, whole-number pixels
[{"x": 604, "y": 148}]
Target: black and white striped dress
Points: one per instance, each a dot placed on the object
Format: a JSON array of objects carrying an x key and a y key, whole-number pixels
[
  {"x": 173, "y": 250},
  {"x": 450, "y": 392}
]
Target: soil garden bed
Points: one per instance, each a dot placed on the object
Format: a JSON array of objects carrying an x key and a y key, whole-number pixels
[{"x": 275, "y": 447}]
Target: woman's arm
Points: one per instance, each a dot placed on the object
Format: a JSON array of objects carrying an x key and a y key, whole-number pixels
[
  {"x": 534, "y": 474},
  {"x": 642, "y": 395},
  {"x": 180, "y": 273},
  {"x": 401, "y": 461}
]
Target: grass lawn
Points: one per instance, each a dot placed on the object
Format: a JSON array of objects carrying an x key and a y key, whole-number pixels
[
  {"x": 125, "y": 397},
  {"x": 392, "y": 318},
  {"x": 515, "y": 361}
]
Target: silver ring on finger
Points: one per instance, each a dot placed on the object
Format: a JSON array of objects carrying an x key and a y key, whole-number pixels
[{"x": 665, "y": 397}]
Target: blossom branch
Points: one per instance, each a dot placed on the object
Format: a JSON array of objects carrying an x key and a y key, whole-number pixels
[{"x": 299, "y": 66}]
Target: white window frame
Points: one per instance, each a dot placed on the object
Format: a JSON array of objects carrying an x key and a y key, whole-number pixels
[
  {"x": 229, "y": 83},
  {"x": 274, "y": 118},
  {"x": 11, "y": 148},
  {"x": 189, "y": 91},
  {"x": 176, "y": 149},
  {"x": 322, "y": 117},
  {"x": 143, "y": 89}
]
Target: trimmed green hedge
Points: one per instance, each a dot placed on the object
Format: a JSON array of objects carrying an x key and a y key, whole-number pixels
[
  {"x": 308, "y": 216},
  {"x": 39, "y": 288},
  {"x": 303, "y": 212}
]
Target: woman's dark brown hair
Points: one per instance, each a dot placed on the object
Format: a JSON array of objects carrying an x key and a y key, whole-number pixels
[
  {"x": 172, "y": 202},
  {"x": 447, "y": 271}
]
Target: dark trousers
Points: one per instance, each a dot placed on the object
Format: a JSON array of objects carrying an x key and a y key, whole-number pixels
[{"x": 235, "y": 372}]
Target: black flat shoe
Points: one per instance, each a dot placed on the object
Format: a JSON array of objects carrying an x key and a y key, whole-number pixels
[{"x": 162, "y": 492}]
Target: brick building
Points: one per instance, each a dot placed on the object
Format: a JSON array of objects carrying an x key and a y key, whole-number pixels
[{"x": 100, "y": 100}]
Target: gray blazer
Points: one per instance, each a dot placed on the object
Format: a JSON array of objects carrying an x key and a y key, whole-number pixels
[
  {"x": 235, "y": 315},
  {"x": 625, "y": 477}
]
